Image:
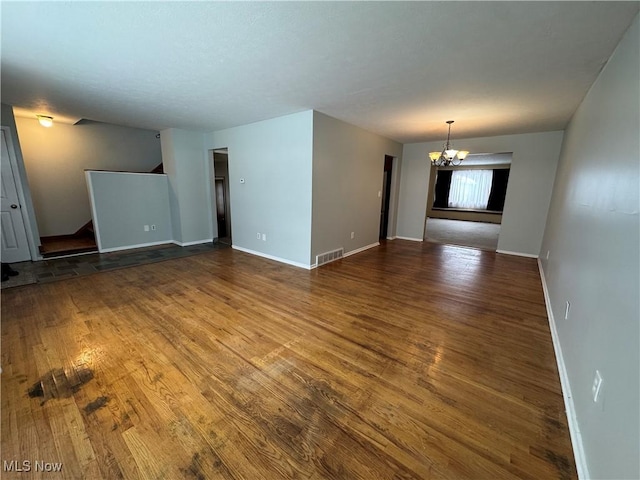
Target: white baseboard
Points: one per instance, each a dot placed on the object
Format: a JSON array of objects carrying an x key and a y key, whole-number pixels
[
  {"x": 361, "y": 249},
  {"x": 392, "y": 238},
  {"x": 272, "y": 257},
  {"x": 139, "y": 245},
  {"x": 517, "y": 254},
  {"x": 410, "y": 238},
  {"x": 41, "y": 258},
  {"x": 574, "y": 427},
  {"x": 195, "y": 242}
]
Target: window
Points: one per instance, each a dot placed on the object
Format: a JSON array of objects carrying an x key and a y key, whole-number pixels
[{"x": 470, "y": 189}]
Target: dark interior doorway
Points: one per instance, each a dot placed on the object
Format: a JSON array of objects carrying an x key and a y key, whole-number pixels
[
  {"x": 221, "y": 207},
  {"x": 386, "y": 197},
  {"x": 222, "y": 197}
]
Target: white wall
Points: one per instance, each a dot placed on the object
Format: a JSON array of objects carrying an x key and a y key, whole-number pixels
[
  {"x": 187, "y": 165},
  {"x": 533, "y": 167},
  {"x": 593, "y": 236},
  {"x": 348, "y": 166},
  {"x": 123, "y": 203},
  {"x": 274, "y": 157},
  {"x": 56, "y": 157}
]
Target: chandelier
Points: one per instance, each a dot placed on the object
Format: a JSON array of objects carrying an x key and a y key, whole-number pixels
[{"x": 448, "y": 156}]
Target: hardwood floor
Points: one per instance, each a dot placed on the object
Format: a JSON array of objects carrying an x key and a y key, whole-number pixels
[{"x": 405, "y": 361}]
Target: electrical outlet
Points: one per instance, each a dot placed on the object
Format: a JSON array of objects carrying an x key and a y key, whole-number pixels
[
  {"x": 264, "y": 237},
  {"x": 596, "y": 388},
  {"x": 379, "y": 194},
  {"x": 258, "y": 235},
  {"x": 566, "y": 310},
  {"x": 146, "y": 228},
  {"x": 153, "y": 227},
  {"x": 353, "y": 235},
  {"x": 548, "y": 252}
]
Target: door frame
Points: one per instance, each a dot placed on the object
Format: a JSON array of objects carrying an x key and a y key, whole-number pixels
[
  {"x": 387, "y": 183},
  {"x": 17, "y": 178},
  {"x": 213, "y": 175}
]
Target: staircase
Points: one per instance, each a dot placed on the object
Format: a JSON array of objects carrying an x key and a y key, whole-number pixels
[{"x": 82, "y": 241}]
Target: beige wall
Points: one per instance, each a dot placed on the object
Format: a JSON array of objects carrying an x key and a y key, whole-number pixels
[
  {"x": 348, "y": 170},
  {"x": 56, "y": 157}
]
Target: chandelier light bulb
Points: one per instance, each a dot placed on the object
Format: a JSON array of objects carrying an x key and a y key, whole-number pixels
[{"x": 45, "y": 120}]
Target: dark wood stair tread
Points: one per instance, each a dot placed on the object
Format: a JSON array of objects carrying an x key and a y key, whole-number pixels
[{"x": 67, "y": 245}]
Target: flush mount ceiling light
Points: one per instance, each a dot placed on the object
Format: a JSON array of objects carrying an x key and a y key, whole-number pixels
[
  {"x": 448, "y": 156},
  {"x": 45, "y": 120}
]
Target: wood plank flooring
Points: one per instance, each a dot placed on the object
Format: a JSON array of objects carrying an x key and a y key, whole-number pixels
[
  {"x": 405, "y": 361},
  {"x": 67, "y": 245}
]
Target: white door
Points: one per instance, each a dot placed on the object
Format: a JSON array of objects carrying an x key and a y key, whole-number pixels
[{"x": 14, "y": 246}]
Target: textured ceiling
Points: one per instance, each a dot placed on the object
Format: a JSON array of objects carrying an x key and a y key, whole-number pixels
[{"x": 398, "y": 69}]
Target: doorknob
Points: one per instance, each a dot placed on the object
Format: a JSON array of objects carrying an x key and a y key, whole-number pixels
[{"x": 14, "y": 206}]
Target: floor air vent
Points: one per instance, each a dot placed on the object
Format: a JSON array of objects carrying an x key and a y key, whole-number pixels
[{"x": 329, "y": 256}]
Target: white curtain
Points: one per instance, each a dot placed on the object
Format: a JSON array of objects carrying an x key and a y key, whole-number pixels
[{"x": 470, "y": 189}]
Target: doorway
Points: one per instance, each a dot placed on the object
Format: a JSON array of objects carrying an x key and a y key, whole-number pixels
[
  {"x": 222, "y": 207},
  {"x": 466, "y": 202},
  {"x": 386, "y": 197}
]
